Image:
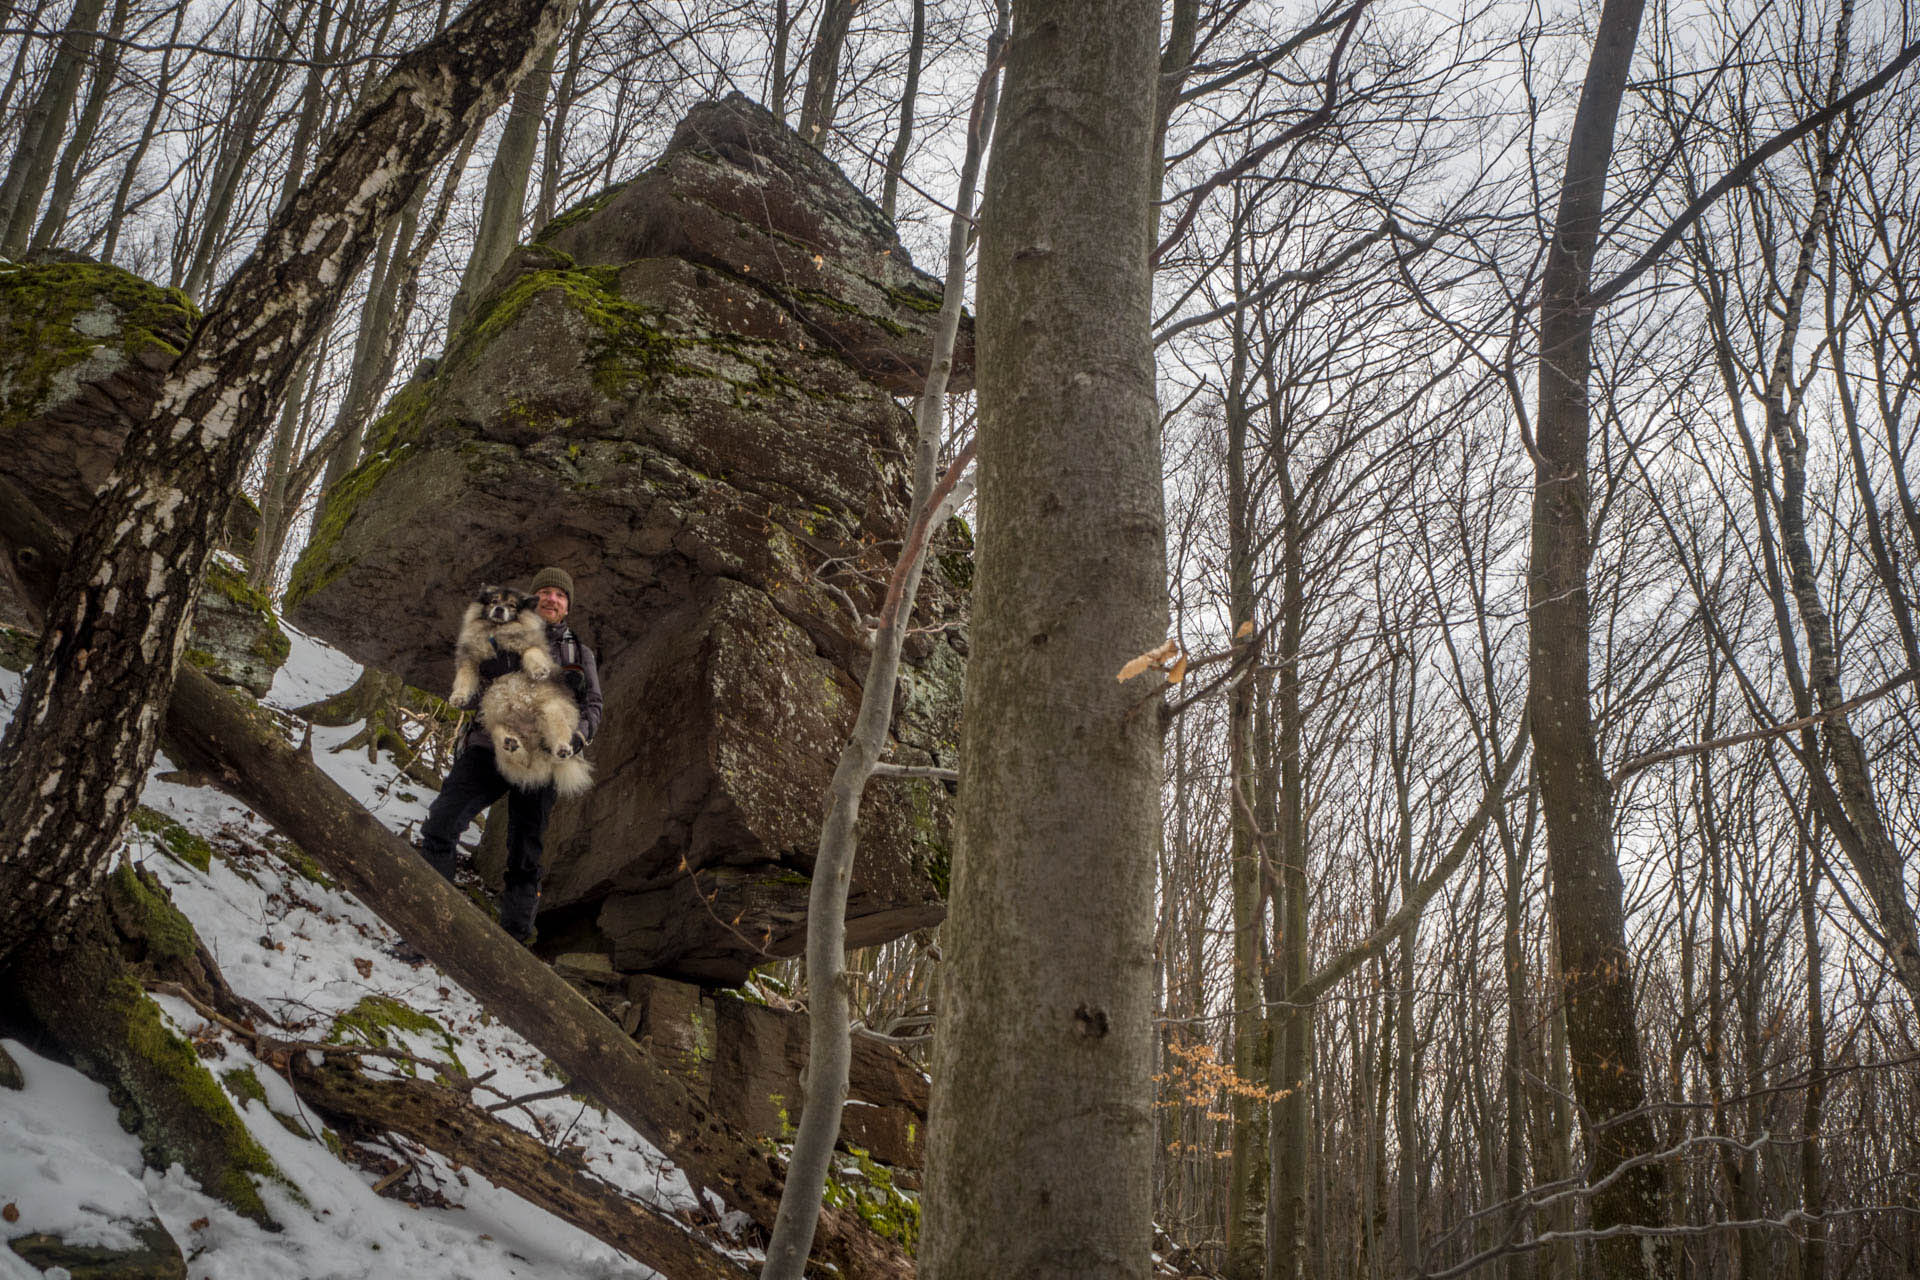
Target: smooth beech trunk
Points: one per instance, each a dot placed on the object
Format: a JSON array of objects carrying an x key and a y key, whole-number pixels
[
  {"x": 1041, "y": 1129},
  {"x": 829, "y": 1006},
  {"x": 1577, "y": 799}
]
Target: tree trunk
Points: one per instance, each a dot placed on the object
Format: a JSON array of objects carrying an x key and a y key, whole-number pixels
[
  {"x": 506, "y": 195},
  {"x": 1813, "y": 1199},
  {"x": 76, "y": 753},
  {"x": 1293, "y": 1035},
  {"x": 1588, "y": 896},
  {"x": 447, "y": 1121},
  {"x": 274, "y": 513},
  {"x": 821, "y": 100},
  {"x": 903, "y": 138},
  {"x": 829, "y": 1013},
  {"x": 41, "y": 129},
  {"x": 90, "y": 1000},
  {"x": 123, "y": 195},
  {"x": 547, "y": 206},
  {"x": 239, "y": 140},
  {"x": 1041, "y": 1125},
  {"x": 1252, "y": 1058},
  {"x": 66, "y": 178}
]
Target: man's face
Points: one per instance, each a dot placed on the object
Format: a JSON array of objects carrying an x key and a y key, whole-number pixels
[{"x": 552, "y": 604}]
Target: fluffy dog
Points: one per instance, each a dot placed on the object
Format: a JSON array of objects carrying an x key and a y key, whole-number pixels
[
  {"x": 500, "y": 620},
  {"x": 532, "y": 723}
]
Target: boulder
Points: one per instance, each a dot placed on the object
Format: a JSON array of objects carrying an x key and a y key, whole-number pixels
[
  {"x": 745, "y": 1060},
  {"x": 683, "y": 393},
  {"x": 85, "y": 349}
]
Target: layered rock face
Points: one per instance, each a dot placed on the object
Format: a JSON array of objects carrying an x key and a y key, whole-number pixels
[
  {"x": 682, "y": 393},
  {"x": 747, "y": 1061}
]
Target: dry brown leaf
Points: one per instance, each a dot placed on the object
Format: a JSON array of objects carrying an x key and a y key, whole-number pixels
[
  {"x": 1246, "y": 629},
  {"x": 1151, "y": 658},
  {"x": 11, "y": 1212},
  {"x": 363, "y": 966},
  {"x": 199, "y": 1224},
  {"x": 1179, "y": 671}
]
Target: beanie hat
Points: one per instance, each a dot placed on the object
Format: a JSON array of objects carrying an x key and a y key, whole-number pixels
[{"x": 552, "y": 577}]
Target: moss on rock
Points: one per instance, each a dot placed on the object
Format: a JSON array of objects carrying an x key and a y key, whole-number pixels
[
  {"x": 868, "y": 1189},
  {"x": 67, "y": 323}
]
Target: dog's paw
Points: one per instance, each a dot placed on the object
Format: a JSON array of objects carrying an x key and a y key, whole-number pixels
[
  {"x": 511, "y": 744},
  {"x": 537, "y": 663},
  {"x": 563, "y": 751}
]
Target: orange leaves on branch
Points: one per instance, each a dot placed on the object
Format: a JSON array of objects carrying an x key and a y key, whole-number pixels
[
  {"x": 1167, "y": 658},
  {"x": 1196, "y": 1076}
]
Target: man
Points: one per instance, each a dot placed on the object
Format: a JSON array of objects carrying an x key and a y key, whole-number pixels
[{"x": 474, "y": 782}]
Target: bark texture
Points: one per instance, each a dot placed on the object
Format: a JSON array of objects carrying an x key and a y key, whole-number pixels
[
  {"x": 78, "y": 748},
  {"x": 1041, "y": 1135}
]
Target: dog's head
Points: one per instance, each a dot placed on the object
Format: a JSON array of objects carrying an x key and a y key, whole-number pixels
[{"x": 502, "y": 604}]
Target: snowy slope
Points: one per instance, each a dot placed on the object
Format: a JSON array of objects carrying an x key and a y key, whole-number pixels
[{"x": 307, "y": 952}]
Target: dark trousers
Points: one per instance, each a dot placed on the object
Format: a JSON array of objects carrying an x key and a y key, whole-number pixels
[{"x": 472, "y": 784}]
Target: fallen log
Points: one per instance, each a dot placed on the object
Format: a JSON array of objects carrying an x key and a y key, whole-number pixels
[
  {"x": 447, "y": 1121},
  {"x": 240, "y": 748}
]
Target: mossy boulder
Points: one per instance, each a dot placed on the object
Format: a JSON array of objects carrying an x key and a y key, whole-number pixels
[
  {"x": 82, "y": 349},
  {"x": 685, "y": 395},
  {"x": 236, "y": 639}
]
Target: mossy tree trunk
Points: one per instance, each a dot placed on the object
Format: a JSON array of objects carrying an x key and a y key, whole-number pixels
[
  {"x": 77, "y": 750},
  {"x": 88, "y": 996}
]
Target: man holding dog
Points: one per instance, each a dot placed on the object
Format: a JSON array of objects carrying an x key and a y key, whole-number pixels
[{"x": 475, "y": 782}]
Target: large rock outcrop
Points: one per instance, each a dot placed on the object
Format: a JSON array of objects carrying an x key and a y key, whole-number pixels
[{"x": 684, "y": 393}]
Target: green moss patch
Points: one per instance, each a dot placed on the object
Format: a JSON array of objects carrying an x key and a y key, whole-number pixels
[
  {"x": 17, "y": 648},
  {"x": 191, "y": 1087},
  {"x": 580, "y": 212},
  {"x": 868, "y": 1189},
  {"x": 180, "y": 844},
  {"x": 68, "y": 322},
  {"x": 244, "y": 1085},
  {"x": 376, "y": 1020}
]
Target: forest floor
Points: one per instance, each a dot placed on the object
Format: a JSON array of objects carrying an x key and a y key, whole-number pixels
[{"x": 317, "y": 961}]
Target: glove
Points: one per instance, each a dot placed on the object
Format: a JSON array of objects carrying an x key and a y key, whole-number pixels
[
  {"x": 576, "y": 678},
  {"x": 499, "y": 665}
]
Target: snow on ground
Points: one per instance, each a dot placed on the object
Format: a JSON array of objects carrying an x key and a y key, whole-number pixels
[{"x": 307, "y": 952}]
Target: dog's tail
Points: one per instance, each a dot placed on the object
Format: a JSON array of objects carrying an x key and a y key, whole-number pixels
[{"x": 572, "y": 776}]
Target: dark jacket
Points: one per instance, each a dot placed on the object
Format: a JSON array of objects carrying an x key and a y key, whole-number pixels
[{"x": 577, "y": 667}]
